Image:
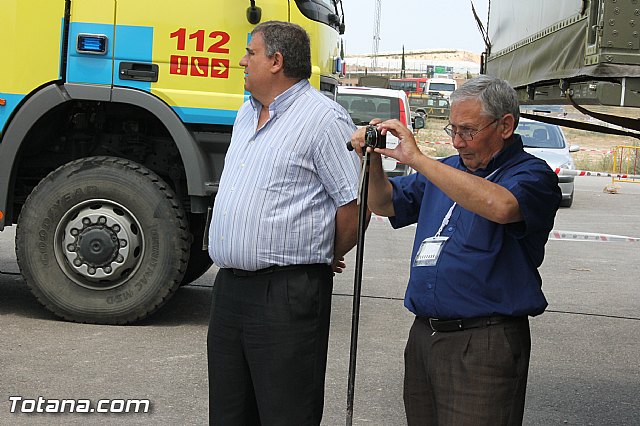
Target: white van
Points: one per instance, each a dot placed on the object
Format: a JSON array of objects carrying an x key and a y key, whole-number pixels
[
  {"x": 366, "y": 103},
  {"x": 440, "y": 87}
]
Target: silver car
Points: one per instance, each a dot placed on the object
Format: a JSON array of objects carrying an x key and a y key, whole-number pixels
[{"x": 546, "y": 141}]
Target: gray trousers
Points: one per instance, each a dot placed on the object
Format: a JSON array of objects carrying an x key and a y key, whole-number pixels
[{"x": 470, "y": 377}]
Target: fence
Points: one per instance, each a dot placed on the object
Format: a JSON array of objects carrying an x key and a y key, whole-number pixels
[{"x": 626, "y": 164}]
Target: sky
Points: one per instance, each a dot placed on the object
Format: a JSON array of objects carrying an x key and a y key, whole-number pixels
[{"x": 416, "y": 24}]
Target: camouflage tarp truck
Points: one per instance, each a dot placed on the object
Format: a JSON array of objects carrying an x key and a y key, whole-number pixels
[{"x": 580, "y": 52}]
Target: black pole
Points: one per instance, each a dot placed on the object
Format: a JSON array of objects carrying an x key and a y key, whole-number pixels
[{"x": 357, "y": 285}]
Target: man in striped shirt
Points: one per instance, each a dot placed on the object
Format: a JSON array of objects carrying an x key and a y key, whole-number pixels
[{"x": 283, "y": 219}]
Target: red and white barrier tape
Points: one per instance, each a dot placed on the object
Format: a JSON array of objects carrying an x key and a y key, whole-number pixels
[
  {"x": 437, "y": 143},
  {"x": 567, "y": 172},
  {"x": 601, "y": 151},
  {"x": 590, "y": 236},
  {"x": 556, "y": 235},
  {"x": 376, "y": 218}
]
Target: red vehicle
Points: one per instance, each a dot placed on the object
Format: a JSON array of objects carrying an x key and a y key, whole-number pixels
[{"x": 409, "y": 85}]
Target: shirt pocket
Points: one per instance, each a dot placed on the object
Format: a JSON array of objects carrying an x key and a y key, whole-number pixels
[{"x": 480, "y": 234}]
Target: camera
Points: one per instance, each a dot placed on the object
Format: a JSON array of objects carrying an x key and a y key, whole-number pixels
[{"x": 374, "y": 138}]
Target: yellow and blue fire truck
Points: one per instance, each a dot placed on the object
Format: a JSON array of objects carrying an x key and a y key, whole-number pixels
[{"x": 115, "y": 116}]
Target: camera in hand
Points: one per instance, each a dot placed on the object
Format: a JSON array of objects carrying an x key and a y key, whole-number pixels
[{"x": 374, "y": 138}]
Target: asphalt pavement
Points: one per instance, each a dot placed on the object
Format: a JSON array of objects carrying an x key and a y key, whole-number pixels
[{"x": 585, "y": 352}]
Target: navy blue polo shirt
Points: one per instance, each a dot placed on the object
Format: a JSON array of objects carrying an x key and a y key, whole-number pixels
[{"x": 485, "y": 268}]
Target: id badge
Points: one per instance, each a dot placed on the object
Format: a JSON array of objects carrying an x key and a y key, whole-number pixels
[{"x": 429, "y": 251}]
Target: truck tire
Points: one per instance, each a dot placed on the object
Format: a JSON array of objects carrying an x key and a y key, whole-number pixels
[
  {"x": 199, "y": 260},
  {"x": 102, "y": 240}
]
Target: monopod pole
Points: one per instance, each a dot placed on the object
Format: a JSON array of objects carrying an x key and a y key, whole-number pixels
[{"x": 357, "y": 284}]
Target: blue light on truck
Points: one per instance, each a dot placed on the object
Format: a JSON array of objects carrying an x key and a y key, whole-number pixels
[{"x": 92, "y": 43}]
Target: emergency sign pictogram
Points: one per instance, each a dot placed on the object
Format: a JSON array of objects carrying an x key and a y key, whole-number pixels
[{"x": 197, "y": 65}]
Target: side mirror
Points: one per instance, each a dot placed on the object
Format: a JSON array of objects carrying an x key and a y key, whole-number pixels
[
  {"x": 418, "y": 122},
  {"x": 254, "y": 14}
]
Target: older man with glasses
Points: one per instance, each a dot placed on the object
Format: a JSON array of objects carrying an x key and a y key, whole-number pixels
[{"x": 483, "y": 218}]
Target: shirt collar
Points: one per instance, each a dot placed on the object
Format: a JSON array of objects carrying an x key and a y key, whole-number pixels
[
  {"x": 511, "y": 146},
  {"x": 285, "y": 99}
]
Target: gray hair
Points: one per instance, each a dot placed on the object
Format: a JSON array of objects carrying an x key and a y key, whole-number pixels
[
  {"x": 292, "y": 41},
  {"x": 495, "y": 95}
]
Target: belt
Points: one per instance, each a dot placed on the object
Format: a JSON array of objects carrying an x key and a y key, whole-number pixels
[
  {"x": 265, "y": 271},
  {"x": 467, "y": 323}
]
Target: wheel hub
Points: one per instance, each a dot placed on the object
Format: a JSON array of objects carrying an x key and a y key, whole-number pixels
[
  {"x": 102, "y": 243},
  {"x": 96, "y": 246}
]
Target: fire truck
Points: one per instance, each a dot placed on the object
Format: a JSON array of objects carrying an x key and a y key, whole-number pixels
[{"x": 115, "y": 116}]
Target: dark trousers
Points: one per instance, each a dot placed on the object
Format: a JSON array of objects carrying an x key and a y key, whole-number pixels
[
  {"x": 267, "y": 347},
  {"x": 470, "y": 377}
]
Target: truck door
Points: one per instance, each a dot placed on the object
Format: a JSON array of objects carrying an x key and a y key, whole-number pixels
[
  {"x": 90, "y": 42},
  {"x": 30, "y": 50}
]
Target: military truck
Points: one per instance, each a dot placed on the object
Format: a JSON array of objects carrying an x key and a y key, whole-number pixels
[
  {"x": 429, "y": 106},
  {"x": 585, "y": 53}
]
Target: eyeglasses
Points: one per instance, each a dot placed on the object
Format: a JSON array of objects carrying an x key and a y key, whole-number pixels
[{"x": 465, "y": 134}]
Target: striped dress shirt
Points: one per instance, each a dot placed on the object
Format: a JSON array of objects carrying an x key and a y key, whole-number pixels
[{"x": 282, "y": 184}]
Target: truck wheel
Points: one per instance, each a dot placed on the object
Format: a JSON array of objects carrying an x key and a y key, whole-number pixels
[
  {"x": 102, "y": 240},
  {"x": 199, "y": 260}
]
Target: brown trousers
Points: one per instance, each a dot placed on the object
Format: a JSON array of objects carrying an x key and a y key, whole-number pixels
[{"x": 470, "y": 377}]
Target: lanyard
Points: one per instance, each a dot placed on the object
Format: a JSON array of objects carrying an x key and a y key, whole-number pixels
[{"x": 447, "y": 217}]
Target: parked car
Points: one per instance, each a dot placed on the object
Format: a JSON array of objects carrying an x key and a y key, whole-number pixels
[
  {"x": 366, "y": 103},
  {"x": 546, "y": 141}
]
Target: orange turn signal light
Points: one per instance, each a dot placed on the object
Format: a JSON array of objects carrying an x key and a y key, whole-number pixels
[
  {"x": 3, "y": 102},
  {"x": 1, "y": 215}
]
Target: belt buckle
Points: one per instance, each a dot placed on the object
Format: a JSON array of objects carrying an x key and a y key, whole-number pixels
[
  {"x": 431, "y": 323},
  {"x": 446, "y": 325},
  {"x": 241, "y": 273}
]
